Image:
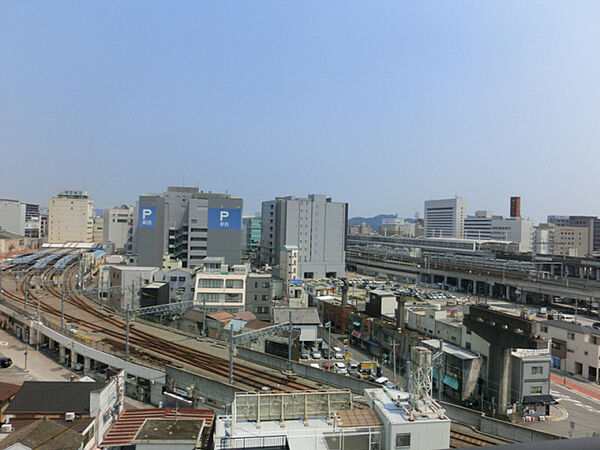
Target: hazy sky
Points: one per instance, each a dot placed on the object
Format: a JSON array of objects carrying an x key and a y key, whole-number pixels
[{"x": 380, "y": 104}]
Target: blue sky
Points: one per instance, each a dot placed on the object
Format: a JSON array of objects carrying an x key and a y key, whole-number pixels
[{"x": 380, "y": 104}]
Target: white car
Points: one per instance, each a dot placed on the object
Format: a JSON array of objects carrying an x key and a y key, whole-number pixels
[
  {"x": 340, "y": 367},
  {"x": 316, "y": 354}
]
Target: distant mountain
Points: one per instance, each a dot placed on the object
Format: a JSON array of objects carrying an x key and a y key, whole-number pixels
[{"x": 375, "y": 222}]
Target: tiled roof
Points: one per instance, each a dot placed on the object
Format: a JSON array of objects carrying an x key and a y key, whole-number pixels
[
  {"x": 53, "y": 397},
  {"x": 220, "y": 316},
  {"x": 300, "y": 316},
  {"x": 245, "y": 315},
  {"x": 45, "y": 434},
  {"x": 8, "y": 391},
  {"x": 256, "y": 324},
  {"x": 126, "y": 428}
]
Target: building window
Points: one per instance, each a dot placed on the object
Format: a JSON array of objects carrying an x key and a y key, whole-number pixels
[
  {"x": 264, "y": 298},
  {"x": 571, "y": 336},
  {"x": 402, "y": 440},
  {"x": 181, "y": 278},
  {"x": 537, "y": 370},
  {"x": 234, "y": 284},
  {"x": 266, "y": 285},
  {"x": 173, "y": 278},
  {"x": 209, "y": 283},
  {"x": 544, "y": 329},
  {"x": 535, "y": 390}
]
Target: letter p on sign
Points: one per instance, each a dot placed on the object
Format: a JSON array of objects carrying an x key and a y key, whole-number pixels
[
  {"x": 146, "y": 212},
  {"x": 223, "y": 215}
]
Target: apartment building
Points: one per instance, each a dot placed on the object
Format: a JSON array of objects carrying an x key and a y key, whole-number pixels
[
  {"x": 118, "y": 227},
  {"x": 575, "y": 348},
  {"x": 219, "y": 287},
  {"x": 71, "y": 217}
]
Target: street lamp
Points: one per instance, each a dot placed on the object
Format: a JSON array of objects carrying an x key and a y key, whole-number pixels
[{"x": 328, "y": 326}]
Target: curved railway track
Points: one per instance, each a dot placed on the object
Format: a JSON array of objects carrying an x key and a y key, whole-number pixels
[
  {"x": 461, "y": 440},
  {"x": 108, "y": 325}
]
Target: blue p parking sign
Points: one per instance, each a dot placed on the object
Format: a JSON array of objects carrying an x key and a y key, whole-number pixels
[
  {"x": 147, "y": 217},
  {"x": 224, "y": 219}
]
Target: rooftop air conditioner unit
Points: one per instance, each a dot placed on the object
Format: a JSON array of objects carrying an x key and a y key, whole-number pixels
[
  {"x": 7, "y": 428},
  {"x": 69, "y": 417}
]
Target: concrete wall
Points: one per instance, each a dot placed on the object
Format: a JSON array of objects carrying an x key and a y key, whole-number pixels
[
  {"x": 203, "y": 386},
  {"x": 322, "y": 376},
  {"x": 496, "y": 427}
]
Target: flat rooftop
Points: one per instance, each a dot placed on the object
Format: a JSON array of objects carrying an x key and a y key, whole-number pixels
[
  {"x": 450, "y": 349},
  {"x": 170, "y": 430},
  {"x": 394, "y": 406}
]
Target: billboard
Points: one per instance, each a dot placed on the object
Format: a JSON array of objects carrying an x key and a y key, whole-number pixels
[
  {"x": 147, "y": 217},
  {"x": 224, "y": 219}
]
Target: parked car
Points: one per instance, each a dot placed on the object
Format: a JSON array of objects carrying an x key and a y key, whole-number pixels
[
  {"x": 325, "y": 353},
  {"x": 328, "y": 365},
  {"x": 5, "y": 362},
  {"x": 353, "y": 367},
  {"x": 340, "y": 367},
  {"x": 315, "y": 353},
  {"x": 304, "y": 354}
]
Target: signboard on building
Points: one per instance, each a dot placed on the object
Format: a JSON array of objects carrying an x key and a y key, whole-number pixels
[
  {"x": 147, "y": 217},
  {"x": 224, "y": 219},
  {"x": 295, "y": 282}
]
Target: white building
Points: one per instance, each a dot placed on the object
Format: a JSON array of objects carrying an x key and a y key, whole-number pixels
[
  {"x": 543, "y": 239},
  {"x": 219, "y": 287},
  {"x": 424, "y": 431},
  {"x": 445, "y": 218},
  {"x": 71, "y": 217},
  {"x": 479, "y": 226},
  {"x": 125, "y": 284},
  {"x": 12, "y": 216},
  {"x": 514, "y": 229},
  {"x": 118, "y": 223},
  {"x": 288, "y": 266}
]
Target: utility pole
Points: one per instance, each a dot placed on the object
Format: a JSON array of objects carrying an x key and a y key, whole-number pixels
[
  {"x": 290, "y": 341},
  {"x": 204, "y": 315},
  {"x": 440, "y": 367},
  {"x": 0, "y": 287},
  {"x": 394, "y": 356},
  {"x": 231, "y": 353},
  {"x": 26, "y": 295},
  {"x": 62, "y": 307},
  {"x": 127, "y": 319}
]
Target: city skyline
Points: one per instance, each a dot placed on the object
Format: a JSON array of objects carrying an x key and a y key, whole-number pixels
[{"x": 381, "y": 106}]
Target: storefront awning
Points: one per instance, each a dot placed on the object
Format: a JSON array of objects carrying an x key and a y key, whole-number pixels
[
  {"x": 356, "y": 334},
  {"x": 546, "y": 399},
  {"x": 356, "y": 324},
  {"x": 374, "y": 344}
]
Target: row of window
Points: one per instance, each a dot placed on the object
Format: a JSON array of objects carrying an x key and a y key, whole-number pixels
[{"x": 218, "y": 284}]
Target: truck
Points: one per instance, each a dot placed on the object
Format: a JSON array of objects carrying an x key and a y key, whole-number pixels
[{"x": 366, "y": 367}]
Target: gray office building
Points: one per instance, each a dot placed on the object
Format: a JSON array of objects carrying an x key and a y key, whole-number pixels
[
  {"x": 189, "y": 225},
  {"x": 316, "y": 225}
]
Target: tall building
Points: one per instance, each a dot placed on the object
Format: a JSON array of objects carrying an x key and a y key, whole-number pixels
[
  {"x": 479, "y": 226},
  {"x": 251, "y": 229},
  {"x": 514, "y": 229},
  {"x": 515, "y": 207},
  {"x": 543, "y": 239},
  {"x": 571, "y": 241},
  {"x": 71, "y": 217},
  {"x": 189, "y": 225},
  {"x": 118, "y": 223},
  {"x": 12, "y": 216},
  {"x": 591, "y": 223},
  {"x": 445, "y": 218},
  {"x": 220, "y": 287},
  {"x": 98, "y": 233},
  {"x": 315, "y": 225}
]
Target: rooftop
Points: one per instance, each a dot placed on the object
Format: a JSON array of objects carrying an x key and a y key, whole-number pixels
[
  {"x": 8, "y": 235},
  {"x": 571, "y": 326},
  {"x": 8, "y": 391},
  {"x": 132, "y": 423},
  {"x": 45, "y": 434},
  {"x": 450, "y": 349},
  {"x": 300, "y": 316},
  {"x": 395, "y": 407},
  {"x": 53, "y": 397}
]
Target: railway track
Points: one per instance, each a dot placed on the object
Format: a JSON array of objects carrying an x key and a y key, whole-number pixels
[
  {"x": 108, "y": 325},
  {"x": 461, "y": 440}
]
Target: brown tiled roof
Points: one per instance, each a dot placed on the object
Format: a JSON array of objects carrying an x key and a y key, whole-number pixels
[
  {"x": 8, "y": 391},
  {"x": 221, "y": 316},
  {"x": 125, "y": 429},
  {"x": 244, "y": 315},
  {"x": 257, "y": 324},
  {"x": 45, "y": 434}
]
